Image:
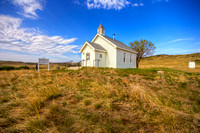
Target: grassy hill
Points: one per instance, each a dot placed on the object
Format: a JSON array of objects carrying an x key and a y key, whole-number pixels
[
  {"x": 180, "y": 62},
  {"x": 100, "y": 100}
]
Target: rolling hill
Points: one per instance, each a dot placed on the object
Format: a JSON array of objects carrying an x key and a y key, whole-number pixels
[{"x": 180, "y": 62}]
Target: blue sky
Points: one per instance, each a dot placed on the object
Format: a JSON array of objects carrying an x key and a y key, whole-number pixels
[{"x": 57, "y": 29}]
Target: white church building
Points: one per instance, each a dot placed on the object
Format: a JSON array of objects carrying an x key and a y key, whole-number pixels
[{"x": 104, "y": 51}]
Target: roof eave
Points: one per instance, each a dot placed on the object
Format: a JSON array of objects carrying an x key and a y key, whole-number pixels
[
  {"x": 100, "y": 50},
  {"x": 127, "y": 50},
  {"x": 86, "y": 43},
  {"x": 82, "y": 47}
]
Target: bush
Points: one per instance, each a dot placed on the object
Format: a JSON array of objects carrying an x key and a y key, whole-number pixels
[
  {"x": 87, "y": 102},
  {"x": 7, "y": 68},
  {"x": 23, "y": 67},
  {"x": 14, "y": 68},
  {"x": 97, "y": 106},
  {"x": 183, "y": 85},
  {"x": 57, "y": 68}
]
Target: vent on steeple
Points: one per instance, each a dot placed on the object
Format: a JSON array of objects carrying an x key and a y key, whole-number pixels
[{"x": 101, "y": 30}]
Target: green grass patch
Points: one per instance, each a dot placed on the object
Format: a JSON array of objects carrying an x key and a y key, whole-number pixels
[{"x": 36, "y": 126}]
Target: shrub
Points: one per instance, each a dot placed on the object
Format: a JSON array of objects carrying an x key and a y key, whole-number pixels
[
  {"x": 183, "y": 85},
  {"x": 97, "y": 106},
  {"x": 7, "y": 68},
  {"x": 23, "y": 67},
  {"x": 14, "y": 68},
  {"x": 87, "y": 102},
  {"x": 57, "y": 68}
]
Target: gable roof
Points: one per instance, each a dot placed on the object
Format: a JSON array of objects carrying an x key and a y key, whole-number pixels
[
  {"x": 94, "y": 46},
  {"x": 116, "y": 43},
  {"x": 119, "y": 44}
]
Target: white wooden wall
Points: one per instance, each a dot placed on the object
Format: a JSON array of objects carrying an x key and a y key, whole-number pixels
[
  {"x": 127, "y": 64},
  {"x": 102, "y": 62},
  {"x": 88, "y": 49},
  {"x": 111, "y": 52}
]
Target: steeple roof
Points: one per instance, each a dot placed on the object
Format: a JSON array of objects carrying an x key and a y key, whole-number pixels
[{"x": 101, "y": 26}]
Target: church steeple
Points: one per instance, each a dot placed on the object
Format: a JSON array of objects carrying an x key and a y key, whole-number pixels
[{"x": 101, "y": 30}]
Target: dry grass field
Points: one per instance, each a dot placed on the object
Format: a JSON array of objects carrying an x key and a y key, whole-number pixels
[
  {"x": 180, "y": 62},
  {"x": 101, "y": 99}
]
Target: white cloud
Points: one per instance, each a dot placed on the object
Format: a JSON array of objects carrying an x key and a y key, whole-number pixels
[
  {"x": 180, "y": 40},
  {"x": 31, "y": 41},
  {"x": 10, "y": 56},
  {"x": 136, "y": 4},
  {"x": 141, "y": 4},
  {"x": 77, "y": 2},
  {"x": 160, "y": 1},
  {"x": 29, "y": 7},
  {"x": 107, "y": 4}
]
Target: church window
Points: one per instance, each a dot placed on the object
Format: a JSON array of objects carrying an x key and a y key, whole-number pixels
[
  {"x": 124, "y": 57},
  {"x": 88, "y": 56}
]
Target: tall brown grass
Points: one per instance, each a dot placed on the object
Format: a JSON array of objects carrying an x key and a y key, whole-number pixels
[{"x": 100, "y": 100}]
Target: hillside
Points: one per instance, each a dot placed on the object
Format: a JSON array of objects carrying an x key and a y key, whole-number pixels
[
  {"x": 100, "y": 100},
  {"x": 172, "y": 61}
]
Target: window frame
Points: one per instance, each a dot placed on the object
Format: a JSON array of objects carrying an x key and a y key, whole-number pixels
[
  {"x": 124, "y": 58},
  {"x": 87, "y": 56},
  {"x": 100, "y": 56}
]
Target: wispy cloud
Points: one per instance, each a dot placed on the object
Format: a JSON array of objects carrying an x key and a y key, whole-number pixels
[
  {"x": 77, "y": 2},
  {"x": 113, "y": 4},
  {"x": 32, "y": 41},
  {"x": 181, "y": 40},
  {"x": 138, "y": 4},
  {"x": 179, "y": 46},
  {"x": 175, "y": 51},
  {"x": 28, "y": 8},
  {"x": 10, "y": 56},
  {"x": 108, "y": 4},
  {"x": 160, "y": 1}
]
